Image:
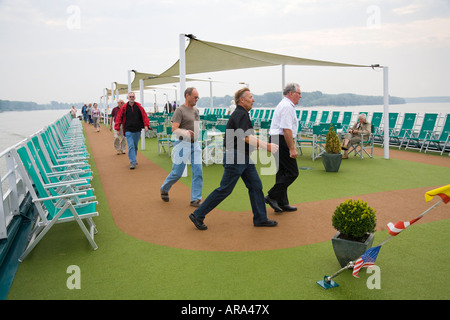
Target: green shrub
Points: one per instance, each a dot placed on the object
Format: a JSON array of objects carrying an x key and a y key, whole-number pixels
[
  {"x": 332, "y": 144},
  {"x": 354, "y": 219}
]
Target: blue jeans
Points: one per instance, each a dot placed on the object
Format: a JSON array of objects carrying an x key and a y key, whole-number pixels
[
  {"x": 132, "y": 141},
  {"x": 233, "y": 171},
  {"x": 182, "y": 151}
]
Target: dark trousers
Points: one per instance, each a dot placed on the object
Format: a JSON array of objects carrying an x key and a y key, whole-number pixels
[
  {"x": 232, "y": 172},
  {"x": 287, "y": 171}
]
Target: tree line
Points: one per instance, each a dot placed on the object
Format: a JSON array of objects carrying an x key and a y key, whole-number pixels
[
  {"x": 309, "y": 99},
  {"x": 266, "y": 100},
  {"x": 7, "y": 105}
]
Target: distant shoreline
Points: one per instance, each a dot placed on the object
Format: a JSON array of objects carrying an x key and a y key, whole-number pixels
[{"x": 267, "y": 100}]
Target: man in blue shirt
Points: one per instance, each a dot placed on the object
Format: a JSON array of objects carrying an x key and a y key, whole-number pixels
[{"x": 239, "y": 143}]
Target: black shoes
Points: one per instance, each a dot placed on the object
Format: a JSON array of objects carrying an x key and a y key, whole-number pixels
[
  {"x": 196, "y": 203},
  {"x": 288, "y": 208},
  {"x": 268, "y": 223},
  {"x": 199, "y": 224},
  {"x": 164, "y": 195},
  {"x": 273, "y": 203}
]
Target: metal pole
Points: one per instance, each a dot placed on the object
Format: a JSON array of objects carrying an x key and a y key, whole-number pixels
[
  {"x": 210, "y": 93},
  {"x": 141, "y": 89},
  {"x": 386, "y": 111},
  {"x": 182, "y": 67},
  {"x": 129, "y": 81}
]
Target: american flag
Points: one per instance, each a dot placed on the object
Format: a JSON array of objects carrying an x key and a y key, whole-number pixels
[
  {"x": 395, "y": 229},
  {"x": 367, "y": 259}
]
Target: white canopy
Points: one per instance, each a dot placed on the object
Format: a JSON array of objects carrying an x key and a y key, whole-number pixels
[{"x": 203, "y": 56}]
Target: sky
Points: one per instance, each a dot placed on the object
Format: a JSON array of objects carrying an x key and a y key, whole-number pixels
[{"x": 70, "y": 50}]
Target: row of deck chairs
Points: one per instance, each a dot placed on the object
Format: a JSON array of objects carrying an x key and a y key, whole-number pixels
[
  {"x": 54, "y": 166},
  {"x": 427, "y": 136},
  {"x": 427, "y": 133}
]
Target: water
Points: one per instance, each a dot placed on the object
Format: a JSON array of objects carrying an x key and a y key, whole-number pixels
[
  {"x": 18, "y": 125},
  {"x": 15, "y": 126}
]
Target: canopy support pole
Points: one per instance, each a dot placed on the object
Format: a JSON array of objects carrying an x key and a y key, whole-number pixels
[
  {"x": 182, "y": 67},
  {"x": 141, "y": 89},
  {"x": 283, "y": 78},
  {"x": 129, "y": 82},
  {"x": 386, "y": 111}
]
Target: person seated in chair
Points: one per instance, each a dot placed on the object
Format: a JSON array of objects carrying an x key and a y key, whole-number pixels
[{"x": 354, "y": 134}]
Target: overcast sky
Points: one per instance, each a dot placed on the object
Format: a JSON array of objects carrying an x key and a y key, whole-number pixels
[{"x": 70, "y": 50}]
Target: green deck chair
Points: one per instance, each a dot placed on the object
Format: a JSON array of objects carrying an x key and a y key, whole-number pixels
[
  {"x": 79, "y": 170},
  {"x": 60, "y": 183},
  {"x": 324, "y": 116},
  {"x": 439, "y": 142},
  {"x": 302, "y": 124},
  {"x": 319, "y": 139},
  {"x": 346, "y": 119},
  {"x": 335, "y": 116},
  {"x": 379, "y": 134},
  {"x": 377, "y": 117},
  {"x": 416, "y": 140},
  {"x": 164, "y": 138},
  {"x": 398, "y": 138},
  {"x": 48, "y": 213},
  {"x": 311, "y": 122},
  {"x": 365, "y": 146}
]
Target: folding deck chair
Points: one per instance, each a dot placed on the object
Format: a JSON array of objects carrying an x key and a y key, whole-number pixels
[
  {"x": 302, "y": 124},
  {"x": 78, "y": 170},
  {"x": 439, "y": 142},
  {"x": 58, "y": 182},
  {"x": 319, "y": 139},
  {"x": 335, "y": 116},
  {"x": 59, "y": 164},
  {"x": 416, "y": 140},
  {"x": 379, "y": 134},
  {"x": 324, "y": 117},
  {"x": 377, "y": 117},
  {"x": 50, "y": 209},
  {"x": 311, "y": 122},
  {"x": 346, "y": 119},
  {"x": 164, "y": 138},
  {"x": 364, "y": 145},
  {"x": 398, "y": 138}
]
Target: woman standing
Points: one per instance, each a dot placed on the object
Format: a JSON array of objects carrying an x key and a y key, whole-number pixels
[{"x": 96, "y": 117}]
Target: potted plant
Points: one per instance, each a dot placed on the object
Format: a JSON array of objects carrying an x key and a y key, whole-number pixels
[
  {"x": 332, "y": 157},
  {"x": 355, "y": 222}
]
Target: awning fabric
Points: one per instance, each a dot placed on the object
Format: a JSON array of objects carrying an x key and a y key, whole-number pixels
[
  {"x": 204, "y": 56},
  {"x": 151, "y": 79}
]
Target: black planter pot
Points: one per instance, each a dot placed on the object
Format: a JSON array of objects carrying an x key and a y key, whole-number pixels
[
  {"x": 348, "y": 250},
  {"x": 331, "y": 161}
]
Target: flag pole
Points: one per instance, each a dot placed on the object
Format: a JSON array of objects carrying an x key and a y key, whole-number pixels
[
  {"x": 417, "y": 218},
  {"x": 327, "y": 281}
]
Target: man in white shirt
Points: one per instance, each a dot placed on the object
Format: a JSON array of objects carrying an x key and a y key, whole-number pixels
[{"x": 283, "y": 131}]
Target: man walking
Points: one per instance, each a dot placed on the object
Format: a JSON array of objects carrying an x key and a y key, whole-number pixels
[
  {"x": 133, "y": 118},
  {"x": 283, "y": 131},
  {"x": 120, "y": 142},
  {"x": 185, "y": 125}
]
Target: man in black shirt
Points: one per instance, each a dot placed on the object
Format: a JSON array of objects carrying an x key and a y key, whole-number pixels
[
  {"x": 239, "y": 143},
  {"x": 133, "y": 119}
]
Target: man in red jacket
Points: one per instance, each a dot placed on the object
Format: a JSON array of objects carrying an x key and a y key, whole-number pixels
[{"x": 133, "y": 118}]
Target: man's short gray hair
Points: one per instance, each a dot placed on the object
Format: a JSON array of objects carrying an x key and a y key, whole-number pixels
[{"x": 290, "y": 87}]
